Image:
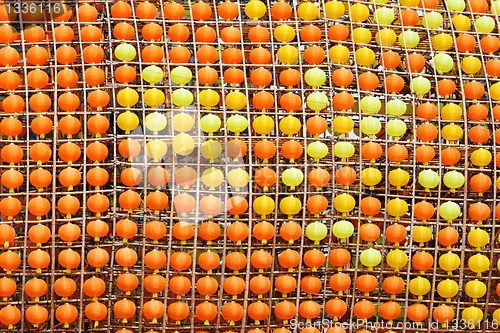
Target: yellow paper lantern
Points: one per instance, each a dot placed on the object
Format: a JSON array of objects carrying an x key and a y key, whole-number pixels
[
  {"x": 182, "y": 97},
  {"x": 316, "y": 232},
  {"x": 183, "y": 122},
  {"x": 409, "y": 3},
  {"x": 181, "y": 75},
  {"x": 433, "y": 20},
  {"x": 453, "y": 179},
  {"x": 364, "y": 56},
  {"x": 263, "y": 124},
  {"x": 456, "y": 5},
  {"x": 339, "y": 54},
  {"x": 397, "y": 208},
  {"x": 343, "y": 124},
  {"x": 315, "y": 77},
  {"x": 317, "y": 101},
  {"x": 449, "y": 211},
  {"x": 449, "y": 262},
  {"x": 361, "y": 35},
  {"x": 383, "y": 15},
  {"x": 496, "y": 316},
  {"x": 156, "y": 149},
  {"x": 371, "y": 177},
  {"x": 359, "y": 12},
  {"x": 288, "y": 54},
  {"x": 342, "y": 229},
  {"x": 292, "y": 177},
  {"x": 396, "y": 107},
  {"x": 183, "y": 144},
  {"x": 475, "y": 289},
  {"x": 127, "y": 121},
  {"x": 343, "y": 150},
  {"x": 370, "y": 258},
  {"x": 210, "y": 123},
  {"x": 472, "y": 315},
  {"x": 452, "y": 132},
  {"x": 284, "y": 33},
  {"x": 442, "y": 42},
  {"x": 237, "y": 123},
  {"x": 152, "y": 74},
  {"x": 481, "y": 157},
  {"x": 408, "y": 39},
  {"x": 385, "y": 37},
  {"x": 399, "y": 178},
  {"x": 238, "y": 178},
  {"x": 211, "y": 150},
  {"x": 236, "y": 100},
  {"x": 420, "y": 85},
  {"x": 255, "y": 9},
  {"x": 396, "y": 128},
  {"x": 495, "y": 91},
  {"x": 317, "y": 150},
  {"x": 290, "y": 125},
  {"x": 461, "y": 23},
  {"x": 334, "y": 9},
  {"x": 209, "y": 98},
  {"x": 451, "y": 111},
  {"x": 154, "y": 97},
  {"x": 370, "y": 104},
  {"x": 479, "y": 263},
  {"x": 308, "y": 11},
  {"x": 212, "y": 177},
  {"x": 344, "y": 203},
  {"x": 485, "y": 24},
  {"x": 156, "y": 122},
  {"x": 419, "y": 286},
  {"x": 127, "y": 97},
  {"x": 421, "y": 235},
  {"x": 471, "y": 65},
  {"x": 125, "y": 52},
  {"x": 263, "y": 206},
  {"x": 443, "y": 62},
  {"x": 370, "y": 126},
  {"x": 428, "y": 179},
  {"x": 478, "y": 238},
  {"x": 495, "y": 7},
  {"x": 447, "y": 289},
  {"x": 290, "y": 206}
]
